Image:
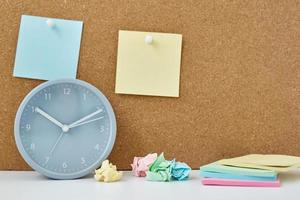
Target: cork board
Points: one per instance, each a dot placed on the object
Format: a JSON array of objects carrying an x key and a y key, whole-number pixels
[{"x": 240, "y": 76}]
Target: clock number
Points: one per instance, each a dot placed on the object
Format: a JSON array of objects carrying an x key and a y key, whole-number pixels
[
  {"x": 84, "y": 96},
  {"x": 101, "y": 129},
  {"x": 67, "y": 91},
  {"x": 33, "y": 109},
  {"x": 97, "y": 147},
  {"x": 64, "y": 165},
  {"x": 47, "y": 158},
  {"x": 82, "y": 160},
  {"x": 47, "y": 96},
  {"x": 32, "y": 146},
  {"x": 28, "y": 127}
]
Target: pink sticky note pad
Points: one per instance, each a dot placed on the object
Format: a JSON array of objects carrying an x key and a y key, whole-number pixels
[{"x": 232, "y": 182}]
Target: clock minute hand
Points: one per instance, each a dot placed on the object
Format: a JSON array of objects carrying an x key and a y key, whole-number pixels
[
  {"x": 85, "y": 118},
  {"x": 47, "y": 116}
]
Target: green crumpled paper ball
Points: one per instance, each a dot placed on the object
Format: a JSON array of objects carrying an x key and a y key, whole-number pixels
[
  {"x": 165, "y": 170},
  {"x": 160, "y": 169}
]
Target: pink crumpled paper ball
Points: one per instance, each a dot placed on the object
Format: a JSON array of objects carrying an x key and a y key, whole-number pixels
[{"x": 141, "y": 165}]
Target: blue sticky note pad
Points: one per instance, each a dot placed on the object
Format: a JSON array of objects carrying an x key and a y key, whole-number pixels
[
  {"x": 47, "y": 52},
  {"x": 214, "y": 167},
  {"x": 235, "y": 176}
]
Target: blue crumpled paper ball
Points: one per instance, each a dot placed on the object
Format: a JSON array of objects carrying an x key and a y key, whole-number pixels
[{"x": 179, "y": 170}]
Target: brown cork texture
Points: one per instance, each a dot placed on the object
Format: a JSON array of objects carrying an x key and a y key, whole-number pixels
[{"x": 239, "y": 84}]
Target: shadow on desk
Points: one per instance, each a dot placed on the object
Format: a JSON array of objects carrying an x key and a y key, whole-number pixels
[{"x": 290, "y": 177}]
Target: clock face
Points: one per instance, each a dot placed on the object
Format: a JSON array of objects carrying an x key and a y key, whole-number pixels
[{"x": 64, "y": 129}]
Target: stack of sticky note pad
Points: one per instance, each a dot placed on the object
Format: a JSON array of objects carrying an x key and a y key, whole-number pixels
[{"x": 254, "y": 170}]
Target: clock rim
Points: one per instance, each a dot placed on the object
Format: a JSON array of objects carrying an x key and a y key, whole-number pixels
[{"x": 85, "y": 171}]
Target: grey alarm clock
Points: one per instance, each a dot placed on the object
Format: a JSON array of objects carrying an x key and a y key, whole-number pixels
[{"x": 64, "y": 129}]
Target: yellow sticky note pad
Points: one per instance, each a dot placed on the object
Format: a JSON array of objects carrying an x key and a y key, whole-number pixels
[
  {"x": 279, "y": 163},
  {"x": 148, "y": 67}
]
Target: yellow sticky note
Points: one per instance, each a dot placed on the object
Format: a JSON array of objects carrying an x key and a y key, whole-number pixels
[
  {"x": 268, "y": 160},
  {"x": 148, "y": 63},
  {"x": 279, "y": 163}
]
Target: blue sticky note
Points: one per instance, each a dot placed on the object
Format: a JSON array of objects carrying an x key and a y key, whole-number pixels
[
  {"x": 214, "y": 167},
  {"x": 207, "y": 174},
  {"x": 47, "y": 50}
]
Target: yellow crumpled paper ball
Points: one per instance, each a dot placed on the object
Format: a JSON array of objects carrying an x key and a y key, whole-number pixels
[{"x": 107, "y": 172}]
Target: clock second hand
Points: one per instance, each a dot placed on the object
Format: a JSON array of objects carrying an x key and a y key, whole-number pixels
[
  {"x": 86, "y": 122},
  {"x": 62, "y": 133},
  {"x": 85, "y": 118},
  {"x": 77, "y": 123},
  {"x": 57, "y": 141}
]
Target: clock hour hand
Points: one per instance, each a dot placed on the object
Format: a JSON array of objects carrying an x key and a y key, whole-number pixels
[
  {"x": 85, "y": 118},
  {"x": 47, "y": 116}
]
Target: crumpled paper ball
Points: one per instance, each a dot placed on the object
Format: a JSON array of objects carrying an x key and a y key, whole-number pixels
[
  {"x": 165, "y": 170},
  {"x": 141, "y": 165},
  {"x": 180, "y": 170},
  {"x": 107, "y": 172},
  {"x": 159, "y": 170}
]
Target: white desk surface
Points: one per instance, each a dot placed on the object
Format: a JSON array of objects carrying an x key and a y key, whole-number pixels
[{"x": 30, "y": 185}]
